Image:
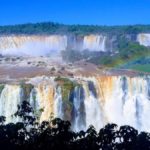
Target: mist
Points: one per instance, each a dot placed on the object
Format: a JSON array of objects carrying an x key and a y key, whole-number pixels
[{"x": 49, "y": 45}]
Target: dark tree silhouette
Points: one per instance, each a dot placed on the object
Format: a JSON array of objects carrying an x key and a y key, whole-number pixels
[
  {"x": 25, "y": 112},
  {"x": 2, "y": 120},
  {"x": 57, "y": 134},
  {"x": 107, "y": 136}
]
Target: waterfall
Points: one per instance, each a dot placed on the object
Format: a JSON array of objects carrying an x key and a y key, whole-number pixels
[
  {"x": 45, "y": 97},
  {"x": 58, "y": 103},
  {"x": 10, "y": 97},
  {"x": 92, "y": 107},
  {"x": 97, "y": 100},
  {"x": 126, "y": 103},
  {"x": 79, "y": 114},
  {"x": 40, "y": 45},
  {"x": 94, "y": 42},
  {"x": 144, "y": 39}
]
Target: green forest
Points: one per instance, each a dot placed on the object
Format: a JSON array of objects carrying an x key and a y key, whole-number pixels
[{"x": 54, "y": 28}]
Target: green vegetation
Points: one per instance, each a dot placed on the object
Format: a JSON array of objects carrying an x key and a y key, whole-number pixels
[
  {"x": 140, "y": 67},
  {"x": 142, "y": 64},
  {"x": 56, "y": 28},
  {"x": 127, "y": 52},
  {"x": 34, "y": 97},
  {"x": 130, "y": 51},
  {"x": 1, "y": 88},
  {"x": 27, "y": 88},
  {"x": 41, "y": 110},
  {"x": 66, "y": 85}
]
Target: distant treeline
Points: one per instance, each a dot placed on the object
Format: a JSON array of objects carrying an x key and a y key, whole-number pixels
[{"x": 56, "y": 28}]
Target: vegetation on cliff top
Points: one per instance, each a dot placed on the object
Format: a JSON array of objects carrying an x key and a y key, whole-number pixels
[
  {"x": 56, "y": 28},
  {"x": 67, "y": 86}
]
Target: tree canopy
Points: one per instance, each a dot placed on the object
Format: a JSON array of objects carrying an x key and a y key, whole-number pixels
[
  {"x": 58, "y": 134},
  {"x": 57, "y": 28}
]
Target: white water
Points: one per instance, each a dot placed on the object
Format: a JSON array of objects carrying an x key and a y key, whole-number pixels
[
  {"x": 9, "y": 99},
  {"x": 94, "y": 43},
  {"x": 102, "y": 100},
  {"x": 47, "y": 45},
  {"x": 144, "y": 39},
  {"x": 32, "y": 45},
  {"x": 58, "y": 103}
]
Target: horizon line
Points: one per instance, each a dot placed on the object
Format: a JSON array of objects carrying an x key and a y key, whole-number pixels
[{"x": 76, "y": 24}]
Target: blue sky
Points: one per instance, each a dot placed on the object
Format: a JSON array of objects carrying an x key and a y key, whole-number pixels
[{"x": 100, "y": 12}]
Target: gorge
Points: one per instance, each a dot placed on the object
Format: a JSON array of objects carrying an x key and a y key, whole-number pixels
[{"x": 81, "y": 92}]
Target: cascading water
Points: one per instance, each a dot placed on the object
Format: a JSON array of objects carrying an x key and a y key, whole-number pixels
[
  {"x": 48, "y": 45},
  {"x": 79, "y": 115},
  {"x": 144, "y": 39},
  {"x": 92, "y": 106},
  {"x": 10, "y": 97},
  {"x": 94, "y": 42},
  {"x": 58, "y": 103},
  {"x": 53, "y": 44},
  {"x": 96, "y": 101},
  {"x": 40, "y": 45},
  {"x": 126, "y": 101}
]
